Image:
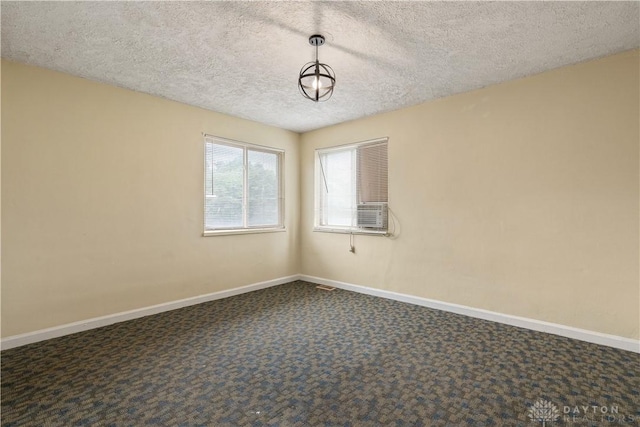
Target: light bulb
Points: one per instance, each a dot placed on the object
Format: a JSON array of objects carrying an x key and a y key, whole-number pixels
[{"x": 317, "y": 84}]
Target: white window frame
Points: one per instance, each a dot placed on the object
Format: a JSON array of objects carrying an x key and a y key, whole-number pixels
[
  {"x": 320, "y": 183},
  {"x": 244, "y": 229}
]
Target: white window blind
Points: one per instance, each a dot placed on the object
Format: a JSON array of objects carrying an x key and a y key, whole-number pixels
[
  {"x": 352, "y": 188},
  {"x": 263, "y": 199},
  {"x": 243, "y": 186}
]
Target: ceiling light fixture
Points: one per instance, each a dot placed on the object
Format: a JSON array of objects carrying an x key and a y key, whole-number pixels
[{"x": 316, "y": 81}]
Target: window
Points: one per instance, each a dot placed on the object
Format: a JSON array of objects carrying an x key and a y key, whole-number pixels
[
  {"x": 243, "y": 187},
  {"x": 352, "y": 188}
]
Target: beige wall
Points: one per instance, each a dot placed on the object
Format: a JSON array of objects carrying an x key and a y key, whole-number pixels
[
  {"x": 102, "y": 204},
  {"x": 520, "y": 198}
]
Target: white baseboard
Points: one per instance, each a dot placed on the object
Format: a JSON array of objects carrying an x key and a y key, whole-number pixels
[
  {"x": 522, "y": 322},
  {"x": 97, "y": 322}
]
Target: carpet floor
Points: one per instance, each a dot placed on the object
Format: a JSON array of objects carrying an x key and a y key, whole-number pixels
[{"x": 293, "y": 355}]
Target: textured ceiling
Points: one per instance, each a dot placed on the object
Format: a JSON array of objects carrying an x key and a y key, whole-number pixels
[{"x": 243, "y": 58}]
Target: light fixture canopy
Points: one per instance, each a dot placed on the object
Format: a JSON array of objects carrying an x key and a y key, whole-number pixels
[{"x": 316, "y": 80}]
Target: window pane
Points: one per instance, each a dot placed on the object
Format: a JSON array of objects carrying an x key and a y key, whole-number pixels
[
  {"x": 263, "y": 194},
  {"x": 224, "y": 181},
  {"x": 338, "y": 206}
]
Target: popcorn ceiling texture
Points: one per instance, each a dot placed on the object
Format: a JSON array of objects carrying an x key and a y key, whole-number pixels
[{"x": 243, "y": 58}]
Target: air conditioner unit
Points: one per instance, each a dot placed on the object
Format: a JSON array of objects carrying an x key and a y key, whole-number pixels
[{"x": 372, "y": 215}]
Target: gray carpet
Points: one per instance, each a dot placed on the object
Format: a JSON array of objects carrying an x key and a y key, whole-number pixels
[{"x": 293, "y": 355}]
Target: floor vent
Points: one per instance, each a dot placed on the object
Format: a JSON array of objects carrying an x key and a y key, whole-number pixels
[{"x": 325, "y": 288}]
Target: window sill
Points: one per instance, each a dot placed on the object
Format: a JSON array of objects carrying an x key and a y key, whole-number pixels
[
  {"x": 350, "y": 231},
  {"x": 211, "y": 233}
]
